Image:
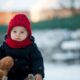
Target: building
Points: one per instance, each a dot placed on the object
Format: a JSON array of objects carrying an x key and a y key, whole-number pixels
[{"x": 6, "y": 16}]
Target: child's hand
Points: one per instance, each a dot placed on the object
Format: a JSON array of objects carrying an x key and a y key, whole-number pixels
[{"x": 38, "y": 77}]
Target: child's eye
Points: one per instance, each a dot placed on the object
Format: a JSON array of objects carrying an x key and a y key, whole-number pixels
[
  {"x": 14, "y": 31},
  {"x": 22, "y": 32}
]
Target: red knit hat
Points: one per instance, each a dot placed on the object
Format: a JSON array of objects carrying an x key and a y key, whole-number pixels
[{"x": 19, "y": 20}]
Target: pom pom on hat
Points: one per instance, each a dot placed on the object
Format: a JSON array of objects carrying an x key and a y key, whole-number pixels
[{"x": 19, "y": 20}]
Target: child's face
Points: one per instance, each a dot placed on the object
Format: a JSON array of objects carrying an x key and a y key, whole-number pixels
[{"x": 19, "y": 33}]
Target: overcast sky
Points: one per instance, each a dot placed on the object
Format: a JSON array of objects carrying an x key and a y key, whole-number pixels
[
  {"x": 16, "y": 4},
  {"x": 7, "y": 5},
  {"x": 68, "y": 3}
]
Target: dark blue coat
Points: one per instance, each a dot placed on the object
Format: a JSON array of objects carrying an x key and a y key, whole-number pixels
[{"x": 26, "y": 60}]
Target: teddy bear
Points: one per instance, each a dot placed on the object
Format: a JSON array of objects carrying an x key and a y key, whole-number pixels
[{"x": 6, "y": 64}]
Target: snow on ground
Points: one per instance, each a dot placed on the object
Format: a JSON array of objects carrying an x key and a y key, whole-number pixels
[
  {"x": 62, "y": 72},
  {"x": 56, "y": 41},
  {"x": 48, "y": 39}
]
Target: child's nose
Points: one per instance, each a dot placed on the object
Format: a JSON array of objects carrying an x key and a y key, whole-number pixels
[{"x": 18, "y": 34}]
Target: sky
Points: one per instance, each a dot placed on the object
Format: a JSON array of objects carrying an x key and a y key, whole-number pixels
[
  {"x": 8, "y": 5},
  {"x": 16, "y": 4},
  {"x": 67, "y": 3}
]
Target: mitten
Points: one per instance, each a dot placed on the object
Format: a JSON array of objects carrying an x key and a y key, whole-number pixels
[{"x": 30, "y": 77}]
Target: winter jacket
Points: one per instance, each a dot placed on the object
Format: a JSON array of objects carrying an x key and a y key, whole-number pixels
[{"x": 26, "y": 60}]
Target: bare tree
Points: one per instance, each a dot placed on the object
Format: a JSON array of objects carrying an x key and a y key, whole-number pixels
[
  {"x": 69, "y": 4},
  {"x": 72, "y": 6}
]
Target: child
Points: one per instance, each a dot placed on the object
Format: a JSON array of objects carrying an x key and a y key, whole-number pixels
[{"x": 19, "y": 44}]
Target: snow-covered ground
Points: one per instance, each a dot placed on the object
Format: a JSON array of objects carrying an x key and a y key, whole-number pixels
[
  {"x": 61, "y": 72},
  {"x": 56, "y": 40},
  {"x": 48, "y": 41},
  {"x": 50, "y": 38}
]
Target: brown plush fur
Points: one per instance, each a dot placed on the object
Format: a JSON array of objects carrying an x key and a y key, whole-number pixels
[{"x": 6, "y": 64}]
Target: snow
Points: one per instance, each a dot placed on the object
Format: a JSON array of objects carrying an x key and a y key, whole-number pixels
[
  {"x": 50, "y": 38},
  {"x": 58, "y": 71},
  {"x": 53, "y": 41},
  {"x": 62, "y": 56},
  {"x": 73, "y": 44},
  {"x": 61, "y": 72},
  {"x": 75, "y": 34}
]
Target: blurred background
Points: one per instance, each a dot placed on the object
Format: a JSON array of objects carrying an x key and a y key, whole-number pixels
[{"x": 56, "y": 28}]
